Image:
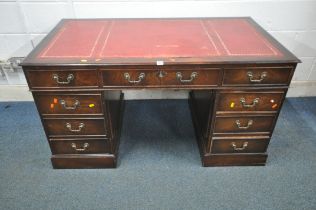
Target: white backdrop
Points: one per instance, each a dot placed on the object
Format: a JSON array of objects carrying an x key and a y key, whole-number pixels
[{"x": 293, "y": 22}]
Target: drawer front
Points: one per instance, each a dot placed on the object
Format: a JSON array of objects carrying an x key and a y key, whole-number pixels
[
  {"x": 243, "y": 124},
  {"x": 250, "y": 101},
  {"x": 68, "y": 104},
  {"x": 257, "y": 76},
  {"x": 74, "y": 127},
  {"x": 190, "y": 77},
  {"x": 78, "y": 146},
  {"x": 237, "y": 145},
  {"x": 130, "y": 78},
  {"x": 62, "y": 79}
]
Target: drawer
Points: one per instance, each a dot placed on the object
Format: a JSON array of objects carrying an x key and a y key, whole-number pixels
[
  {"x": 243, "y": 124},
  {"x": 240, "y": 145},
  {"x": 257, "y": 76},
  {"x": 243, "y": 101},
  {"x": 69, "y": 103},
  {"x": 75, "y": 127},
  {"x": 130, "y": 77},
  {"x": 190, "y": 77},
  {"x": 62, "y": 78},
  {"x": 79, "y": 146}
]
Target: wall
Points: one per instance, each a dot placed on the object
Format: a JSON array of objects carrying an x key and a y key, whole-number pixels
[{"x": 23, "y": 23}]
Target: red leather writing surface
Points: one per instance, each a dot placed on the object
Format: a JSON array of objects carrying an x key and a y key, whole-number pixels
[
  {"x": 184, "y": 38},
  {"x": 97, "y": 39}
]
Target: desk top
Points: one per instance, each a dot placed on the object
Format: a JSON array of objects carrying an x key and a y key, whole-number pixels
[{"x": 146, "y": 41}]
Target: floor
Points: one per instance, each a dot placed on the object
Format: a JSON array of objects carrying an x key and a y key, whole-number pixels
[{"x": 159, "y": 165}]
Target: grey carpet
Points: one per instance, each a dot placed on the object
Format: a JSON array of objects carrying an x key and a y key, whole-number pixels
[{"x": 159, "y": 166}]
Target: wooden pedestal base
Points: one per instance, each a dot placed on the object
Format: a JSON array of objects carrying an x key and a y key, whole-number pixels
[
  {"x": 84, "y": 161},
  {"x": 234, "y": 160}
]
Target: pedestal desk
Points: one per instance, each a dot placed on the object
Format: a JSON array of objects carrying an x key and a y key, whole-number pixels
[{"x": 237, "y": 74}]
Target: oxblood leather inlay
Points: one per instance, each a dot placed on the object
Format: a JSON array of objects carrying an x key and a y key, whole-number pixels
[{"x": 159, "y": 38}]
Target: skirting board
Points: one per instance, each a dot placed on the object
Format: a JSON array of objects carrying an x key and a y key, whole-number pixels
[{"x": 22, "y": 93}]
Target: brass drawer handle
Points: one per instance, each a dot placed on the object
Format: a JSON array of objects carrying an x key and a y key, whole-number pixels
[
  {"x": 81, "y": 125},
  {"x": 83, "y": 148},
  {"x": 192, "y": 77},
  {"x": 69, "y": 78},
  {"x": 250, "y": 122},
  {"x": 263, "y": 75},
  {"x": 254, "y": 102},
  {"x": 244, "y": 146},
  {"x": 140, "y": 78},
  {"x": 74, "y": 106}
]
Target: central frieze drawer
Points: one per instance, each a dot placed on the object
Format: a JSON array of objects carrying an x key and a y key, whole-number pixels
[
  {"x": 75, "y": 127},
  {"x": 243, "y": 124},
  {"x": 69, "y": 103},
  {"x": 130, "y": 77},
  {"x": 240, "y": 145},
  {"x": 79, "y": 146},
  {"x": 62, "y": 78},
  {"x": 243, "y": 101},
  {"x": 256, "y": 76},
  {"x": 162, "y": 76}
]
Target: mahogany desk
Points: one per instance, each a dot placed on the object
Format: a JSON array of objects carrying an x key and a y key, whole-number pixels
[{"x": 237, "y": 73}]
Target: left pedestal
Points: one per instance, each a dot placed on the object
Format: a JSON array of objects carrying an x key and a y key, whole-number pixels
[{"x": 82, "y": 124}]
